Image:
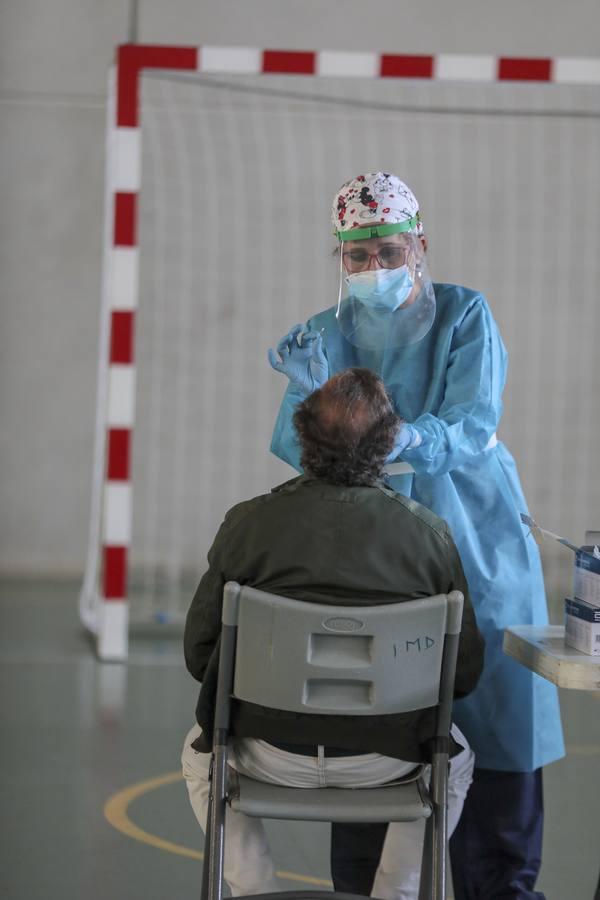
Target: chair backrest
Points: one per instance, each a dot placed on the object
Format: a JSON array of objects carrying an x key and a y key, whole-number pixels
[{"x": 329, "y": 659}]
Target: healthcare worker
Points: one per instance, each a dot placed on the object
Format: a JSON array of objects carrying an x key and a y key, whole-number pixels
[{"x": 443, "y": 362}]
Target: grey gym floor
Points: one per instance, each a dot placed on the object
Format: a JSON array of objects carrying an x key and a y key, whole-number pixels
[{"x": 84, "y": 743}]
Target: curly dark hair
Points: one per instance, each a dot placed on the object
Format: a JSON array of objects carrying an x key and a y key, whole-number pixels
[{"x": 347, "y": 429}]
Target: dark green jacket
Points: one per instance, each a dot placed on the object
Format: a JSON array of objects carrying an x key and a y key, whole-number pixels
[{"x": 318, "y": 542}]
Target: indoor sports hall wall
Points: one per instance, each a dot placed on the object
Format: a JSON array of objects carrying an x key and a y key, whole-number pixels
[{"x": 539, "y": 270}]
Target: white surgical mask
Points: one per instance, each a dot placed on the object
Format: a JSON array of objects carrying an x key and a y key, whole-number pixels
[{"x": 381, "y": 288}]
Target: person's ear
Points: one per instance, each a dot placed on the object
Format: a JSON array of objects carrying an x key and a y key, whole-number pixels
[{"x": 424, "y": 242}]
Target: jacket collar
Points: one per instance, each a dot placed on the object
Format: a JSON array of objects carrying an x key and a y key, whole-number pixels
[{"x": 302, "y": 481}]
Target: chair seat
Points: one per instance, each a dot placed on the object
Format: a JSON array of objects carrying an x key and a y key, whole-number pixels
[{"x": 394, "y": 803}]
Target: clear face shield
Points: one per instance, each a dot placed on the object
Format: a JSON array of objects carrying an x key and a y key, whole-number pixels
[{"x": 386, "y": 298}]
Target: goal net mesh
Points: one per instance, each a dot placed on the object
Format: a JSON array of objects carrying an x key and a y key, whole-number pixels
[{"x": 236, "y": 246}]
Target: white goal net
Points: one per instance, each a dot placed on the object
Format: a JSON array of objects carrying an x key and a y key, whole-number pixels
[{"x": 235, "y": 247}]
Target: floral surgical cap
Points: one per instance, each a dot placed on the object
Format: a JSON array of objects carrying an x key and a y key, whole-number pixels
[{"x": 374, "y": 199}]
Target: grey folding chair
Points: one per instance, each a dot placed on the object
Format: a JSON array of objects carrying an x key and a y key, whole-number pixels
[{"x": 343, "y": 660}]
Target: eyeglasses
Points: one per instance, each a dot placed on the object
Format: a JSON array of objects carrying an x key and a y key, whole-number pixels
[{"x": 390, "y": 256}]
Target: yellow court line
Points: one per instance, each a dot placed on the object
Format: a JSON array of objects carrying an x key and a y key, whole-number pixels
[{"x": 116, "y": 813}]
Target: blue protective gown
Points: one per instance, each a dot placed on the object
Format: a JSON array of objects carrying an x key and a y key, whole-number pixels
[{"x": 449, "y": 385}]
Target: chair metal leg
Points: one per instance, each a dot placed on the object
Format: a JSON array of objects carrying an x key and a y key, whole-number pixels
[
  {"x": 204, "y": 887},
  {"x": 425, "y": 881},
  {"x": 206, "y": 863},
  {"x": 439, "y": 850},
  {"x": 217, "y": 824},
  {"x": 439, "y": 793}
]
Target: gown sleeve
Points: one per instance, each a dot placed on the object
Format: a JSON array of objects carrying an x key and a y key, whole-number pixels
[
  {"x": 472, "y": 398},
  {"x": 284, "y": 442}
]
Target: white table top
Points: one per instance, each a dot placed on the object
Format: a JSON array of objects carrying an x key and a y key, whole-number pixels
[{"x": 543, "y": 650}]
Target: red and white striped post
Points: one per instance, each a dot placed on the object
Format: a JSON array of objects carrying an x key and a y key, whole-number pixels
[
  {"x": 121, "y": 286},
  {"x": 121, "y": 258}
]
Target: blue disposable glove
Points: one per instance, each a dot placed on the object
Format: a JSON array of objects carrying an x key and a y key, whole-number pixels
[
  {"x": 302, "y": 359},
  {"x": 407, "y": 437}
]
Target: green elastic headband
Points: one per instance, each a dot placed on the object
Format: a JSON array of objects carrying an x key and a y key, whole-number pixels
[{"x": 357, "y": 234}]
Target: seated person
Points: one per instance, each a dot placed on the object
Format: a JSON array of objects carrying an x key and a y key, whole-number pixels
[{"x": 334, "y": 535}]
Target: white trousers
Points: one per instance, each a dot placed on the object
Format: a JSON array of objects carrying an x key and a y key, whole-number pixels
[{"x": 248, "y": 866}]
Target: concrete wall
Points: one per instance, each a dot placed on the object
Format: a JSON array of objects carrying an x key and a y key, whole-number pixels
[{"x": 53, "y": 62}]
